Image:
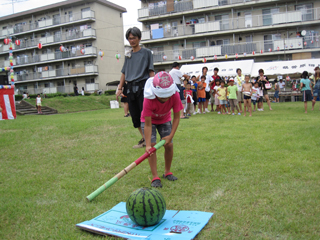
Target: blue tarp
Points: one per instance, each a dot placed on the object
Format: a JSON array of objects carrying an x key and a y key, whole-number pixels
[
  {"x": 157, "y": 33},
  {"x": 175, "y": 225}
]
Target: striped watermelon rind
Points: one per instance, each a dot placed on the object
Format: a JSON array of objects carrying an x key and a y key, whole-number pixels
[{"x": 146, "y": 207}]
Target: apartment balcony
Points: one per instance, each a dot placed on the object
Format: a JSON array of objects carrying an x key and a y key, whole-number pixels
[
  {"x": 72, "y": 54},
  {"x": 276, "y": 47},
  {"x": 192, "y": 6},
  {"x": 51, "y": 40},
  {"x": 58, "y": 21},
  {"x": 87, "y": 70},
  {"x": 232, "y": 25}
]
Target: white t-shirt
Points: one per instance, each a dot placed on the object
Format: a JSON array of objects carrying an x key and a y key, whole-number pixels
[
  {"x": 82, "y": 92},
  {"x": 255, "y": 93},
  {"x": 208, "y": 80},
  {"x": 176, "y": 75},
  {"x": 24, "y": 96},
  {"x": 216, "y": 88},
  {"x": 282, "y": 85},
  {"x": 38, "y": 100},
  {"x": 239, "y": 81}
]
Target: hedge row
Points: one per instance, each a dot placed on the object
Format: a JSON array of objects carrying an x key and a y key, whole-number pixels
[{"x": 52, "y": 95}]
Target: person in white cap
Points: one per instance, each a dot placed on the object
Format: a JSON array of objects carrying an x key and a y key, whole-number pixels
[{"x": 161, "y": 95}]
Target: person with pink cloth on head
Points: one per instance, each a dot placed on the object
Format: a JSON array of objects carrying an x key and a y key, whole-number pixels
[{"x": 161, "y": 95}]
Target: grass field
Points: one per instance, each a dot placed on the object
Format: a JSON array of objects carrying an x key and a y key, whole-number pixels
[
  {"x": 76, "y": 104},
  {"x": 260, "y": 176}
]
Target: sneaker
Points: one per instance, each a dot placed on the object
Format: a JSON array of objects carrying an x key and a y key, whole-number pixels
[
  {"x": 229, "y": 113},
  {"x": 219, "y": 112},
  {"x": 239, "y": 114},
  {"x": 232, "y": 114},
  {"x": 141, "y": 144},
  {"x": 261, "y": 110},
  {"x": 206, "y": 110},
  {"x": 194, "y": 113}
]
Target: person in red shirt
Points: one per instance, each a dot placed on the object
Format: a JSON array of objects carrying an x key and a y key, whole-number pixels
[
  {"x": 188, "y": 96},
  {"x": 212, "y": 85},
  {"x": 161, "y": 95}
]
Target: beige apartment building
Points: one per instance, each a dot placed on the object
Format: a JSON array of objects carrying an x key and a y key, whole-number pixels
[
  {"x": 188, "y": 31},
  {"x": 83, "y": 28}
]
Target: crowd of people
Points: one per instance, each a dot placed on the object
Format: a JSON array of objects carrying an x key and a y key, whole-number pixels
[
  {"x": 228, "y": 95},
  {"x": 243, "y": 93}
]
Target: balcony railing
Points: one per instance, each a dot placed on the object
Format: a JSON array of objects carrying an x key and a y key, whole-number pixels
[
  {"x": 32, "y": 43},
  {"x": 57, "y": 73},
  {"x": 280, "y": 46},
  {"x": 185, "y": 5},
  {"x": 59, "y": 20},
  {"x": 42, "y": 58},
  {"x": 89, "y": 87},
  {"x": 233, "y": 24}
]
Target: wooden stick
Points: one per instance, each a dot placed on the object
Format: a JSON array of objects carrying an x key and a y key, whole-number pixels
[{"x": 124, "y": 171}]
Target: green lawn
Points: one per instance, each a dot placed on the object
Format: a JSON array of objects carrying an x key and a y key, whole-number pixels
[
  {"x": 260, "y": 176},
  {"x": 76, "y": 104}
]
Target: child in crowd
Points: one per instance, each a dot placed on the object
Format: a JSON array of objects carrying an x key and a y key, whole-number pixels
[
  {"x": 216, "y": 99},
  {"x": 160, "y": 96},
  {"x": 260, "y": 101},
  {"x": 38, "y": 103},
  {"x": 194, "y": 87},
  {"x": 306, "y": 89},
  {"x": 233, "y": 96},
  {"x": 247, "y": 92},
  {"x": 189, "y": 100},
  {"x": 202, "y": 94},
  {"x": 255, "y": 94},
  {"x": 276, "y": 91},
  {"x": 228, "y": 103},
  {"x": 222, "y": 96}
]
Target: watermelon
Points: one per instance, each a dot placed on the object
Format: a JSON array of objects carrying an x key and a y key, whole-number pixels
[{"x": 146, "y": 207}]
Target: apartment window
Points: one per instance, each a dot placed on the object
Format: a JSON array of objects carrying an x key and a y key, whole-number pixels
[
  {"x": 306, "y": 11},
  {"x": 89, "y": 80},
  {"x": 85, "y": 9},
  {"x": 267, "y": 15},
  {"x": 224, "y": 21},
  {"x": 248, "y": 19},
  {"x": 87, "y": 63},
  {"x": 269, "y": 40},
  {"x": 248, "y": 39},
  {"x": 199, "y": 44}
]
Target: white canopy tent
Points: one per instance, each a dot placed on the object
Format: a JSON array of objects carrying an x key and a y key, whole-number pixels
[
  {"x": 285, "y": 67},
  {"x": 227, "y": 68}
]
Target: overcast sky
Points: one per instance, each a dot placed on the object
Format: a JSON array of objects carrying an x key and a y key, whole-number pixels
[{"x": 129, "y": 18}]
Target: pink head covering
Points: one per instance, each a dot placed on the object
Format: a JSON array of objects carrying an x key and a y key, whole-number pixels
[
  {"x": 161, "y": 85},
  {"x": 162, "y": 80}
]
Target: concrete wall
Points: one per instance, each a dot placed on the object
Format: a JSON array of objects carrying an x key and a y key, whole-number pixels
[{"x": 109, "y": 30}]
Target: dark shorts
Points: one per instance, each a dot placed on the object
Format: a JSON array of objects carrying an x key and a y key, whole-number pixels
[
  {"x": 181, "y": 92},
  {"x": 195, "y": 98},
  {"x": 254, "y": 102},
  {"x": 207, "y": 95},
  {"x": 245, "y": 97},
  {"x": 135, "y": 100},
  {"x": 306, "y": 96},
  {"x": 265, "y": 92},
  {"x": 201, "y": 99},
  {"x": 260, "y": 99},
  {"x": 124, "y": 99},
  {"x": 163, "y": 129},
  {"x": 276, "y": 94}
]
